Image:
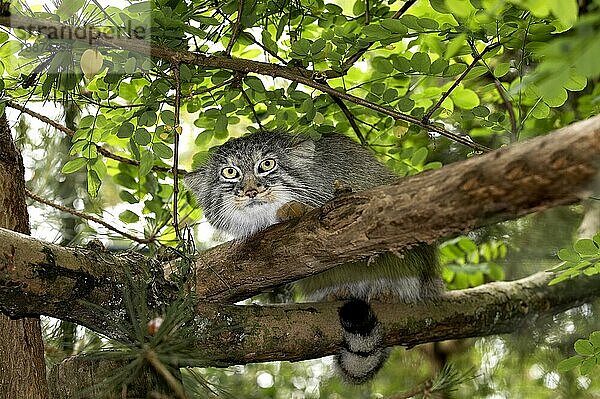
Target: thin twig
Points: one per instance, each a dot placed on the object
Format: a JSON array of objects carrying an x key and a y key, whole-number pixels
[
  {"x": 86, "y": 216},
  {"x": 476, "y": 59},
  {"x": 176, "y": 132},
  {"x": 70, "y": 133},
  {"x": 514, "y": 133},
  {"x": 350, "y": 118},
  {"x": 210, "y": 89},
  {"x": 237, "y": 26},
  {"x": 259, "y": 44},
  {"x": 367, "y": 13},
  {"x": 249, "y": 101},
  {"x": 88, "y": 100}
]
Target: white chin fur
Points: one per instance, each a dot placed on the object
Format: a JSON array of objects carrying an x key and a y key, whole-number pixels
[{"x": 249, "y": 220}]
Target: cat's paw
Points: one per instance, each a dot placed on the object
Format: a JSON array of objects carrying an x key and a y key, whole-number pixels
[
  {"x": 291, "y": 210},
  {"x": 340, "y": 188}
]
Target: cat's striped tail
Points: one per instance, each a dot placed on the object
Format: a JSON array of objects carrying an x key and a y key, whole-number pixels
[{"x": 363, "y": 353}]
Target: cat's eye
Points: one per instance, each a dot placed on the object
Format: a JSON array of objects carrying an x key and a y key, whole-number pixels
[
  {"x": 230, "y": 172},
  {"x": 266, "y": 165}
]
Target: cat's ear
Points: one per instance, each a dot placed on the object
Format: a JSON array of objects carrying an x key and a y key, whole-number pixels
[
  {"x": 304, "y": 148},
  {"x": 196, "y": 181},
  {"x": 302, "y": 153}
]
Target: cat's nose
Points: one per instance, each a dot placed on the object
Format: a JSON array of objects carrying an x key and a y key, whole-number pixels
[{"x": 251, "y": 192}]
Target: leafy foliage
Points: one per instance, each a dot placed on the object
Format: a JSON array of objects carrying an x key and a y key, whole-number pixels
[
  {"x": 588, "y": 355},
  {"x": 496, "y": 72},
  {"x": 467, "y": 264},
  {"x": 583, "y": 258}
]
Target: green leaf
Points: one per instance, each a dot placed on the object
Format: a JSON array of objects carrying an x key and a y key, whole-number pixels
[
  {"x": 89, "y": 151},
  {"x": 125, "y": 130},
  {"x": 268, "y": 41},
  {"x": 74, "y": 165},
  {"x": 148, "y": 118},
  {"x": 455, "y": 69},
  {"x": 142, "y": 136},
  {"x": 378, "y": 88},
  {"x": 395, "y": 26},
  {"x": 461, "y": 8},
  {"x": 99, "y": 167},
  {"x": 125, "y": 180},
  {"x": 199, "y": 159},
  {"x": 128, "y": 217},
  {"x": 420, "y": 62},
  {"x": 480, "y": 111},
  {"x": 69, "y": 7},
  {"x": 146, "y": 162},
  {"x": 428, "y": 23},
  {"x": 595, "y": 339},
  {"x": 375, "y": 32},
  {"x": 565, "y": 10},
  {"x": 93, "y": 183},
  {"x": 586, "y": 247},
  {"x": 501, "y": 69},
  {"x": 419, "y": 156},
  {"x": 569, "y": 255},
  {"x": 10, "y": 48},
  {"x": 129, "y": 65},
  {"x": 588, "y": 365},
  {"x": 128, "y": 197},
  {"x": 554, "y": 96},
  {"x": 382, "y": 65},
  {"x": 584, "y": 347},
  {"x": 162, "y": 150},
  {"x": 317, "y": 46},
  {"x": 301, "y": 47},
  {"x": 307, "y": 105},
  {"x": 168, "y": 117},
  {"x": 576, "y": 81},
  {"x": 438, "y": 66},
  {"x": 540, "y": 111},
  {"x": 570, "y": 363},
  {"x": 401, "y": 64},
  {"x": 390, "y": 95},
  {"x": 464, "y": 98},
  {"x": 405, "y": 104},
  {"x": 597, "y": 239},
  {"x": 467, "y": 245},
  {"x": 221, "y": 123},
  {"x": 254, "y": 83}
]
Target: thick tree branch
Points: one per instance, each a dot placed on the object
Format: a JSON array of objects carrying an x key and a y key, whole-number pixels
[
  {"x": 295, "y": 74},
  {"x": 41, "y": 278},
  {"x": 532, "y": 176},
  {"x": 304, "y": 331}
]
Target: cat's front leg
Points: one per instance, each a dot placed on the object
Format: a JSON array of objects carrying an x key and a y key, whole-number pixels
[{"x": 292, "y": 210}]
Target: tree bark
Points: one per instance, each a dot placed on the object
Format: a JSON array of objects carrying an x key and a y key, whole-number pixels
[{"x": 22, "y": 366}]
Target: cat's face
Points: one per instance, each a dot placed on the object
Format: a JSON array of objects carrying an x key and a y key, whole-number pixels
[{"x": 248, "y": 179}]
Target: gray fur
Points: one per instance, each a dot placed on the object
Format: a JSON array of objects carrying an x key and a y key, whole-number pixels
[{"x": 307, "y": 171}]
